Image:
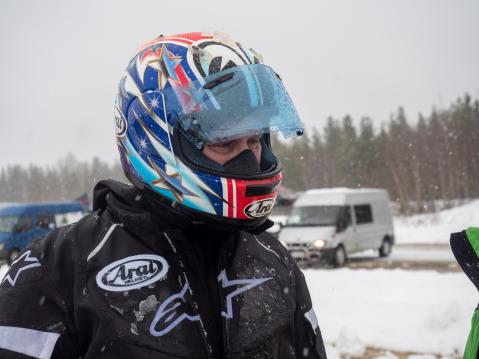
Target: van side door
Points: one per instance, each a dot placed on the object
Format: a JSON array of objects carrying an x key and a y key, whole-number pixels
[
  {"x": 345, "y": 230},
  {"x": 364, "y": 225},
  {"x": 44, "y": 223}
]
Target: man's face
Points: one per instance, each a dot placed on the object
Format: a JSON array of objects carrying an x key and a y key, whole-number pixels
[{"x": 225, "y": 151}]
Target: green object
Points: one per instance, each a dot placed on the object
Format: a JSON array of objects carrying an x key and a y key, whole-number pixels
[
  {"x": 473, "y": 341},
  {"x": 473, "y": 237},
  {"x": 472, "y": 345}
]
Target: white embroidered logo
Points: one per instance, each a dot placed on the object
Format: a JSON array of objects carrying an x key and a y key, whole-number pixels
[
  {"x": 174, "y": 310},
  {"x": 170, "y": 313},
  {"x": 132, "y": 273},
  {"x": 27, "y": 261},
  {"x": 242, "y": 285}
]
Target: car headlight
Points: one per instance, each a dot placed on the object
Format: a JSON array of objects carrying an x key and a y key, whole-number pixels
[{"x": 319, "y": 244}]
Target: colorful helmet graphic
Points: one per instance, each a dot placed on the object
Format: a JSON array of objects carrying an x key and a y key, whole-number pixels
[{"x": 182, "y": 92}]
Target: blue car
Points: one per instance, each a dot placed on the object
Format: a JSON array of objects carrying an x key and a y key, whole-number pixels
[{"x": 20, "y": 224}]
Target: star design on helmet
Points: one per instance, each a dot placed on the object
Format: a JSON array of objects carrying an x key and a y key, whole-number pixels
[
  {"x": 154, "y": 102},
  {"x": 171, "y": 182},
  {"x": 143, "y": 143},
  {"x": 161, "y": 60},
  {"x": 236, "y": 287}
]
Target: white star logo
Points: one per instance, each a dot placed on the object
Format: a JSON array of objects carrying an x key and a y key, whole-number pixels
[
  {"x": 26, "y": 258},
  {"x": 154, "y": 102},
  {"x": 143, "y": 143},
  {"x": 243, "y": 286}
]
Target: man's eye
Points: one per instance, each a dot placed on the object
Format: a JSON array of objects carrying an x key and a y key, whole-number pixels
[
  {"x": 254, "y": 142},
  {"x": 222, "y": 147}
]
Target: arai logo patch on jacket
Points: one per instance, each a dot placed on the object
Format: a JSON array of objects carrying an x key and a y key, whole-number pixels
[{"x": 132, "y": 272}]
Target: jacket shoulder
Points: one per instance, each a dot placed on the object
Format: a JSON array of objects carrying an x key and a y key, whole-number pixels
[
  {"x": 63, "y": 252},
  {"x": 72, "y": 242}
]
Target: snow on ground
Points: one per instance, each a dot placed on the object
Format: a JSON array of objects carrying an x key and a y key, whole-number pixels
[
  {"x": 436, "y": 227},
  {"x": 415, "y": 311}
]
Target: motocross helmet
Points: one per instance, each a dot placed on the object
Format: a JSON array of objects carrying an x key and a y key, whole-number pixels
[{"x": 180, "y": 93}]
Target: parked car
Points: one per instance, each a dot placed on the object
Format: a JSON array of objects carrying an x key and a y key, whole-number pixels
[
  {"x": 20, "y": 224},
  {"x": 329, "y": 224}
]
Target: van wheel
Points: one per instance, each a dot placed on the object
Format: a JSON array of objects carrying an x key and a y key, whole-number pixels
[
  {"x": 385, "y": 249},
  {"x": 12, "y": 255},
  {"x": 339, "y": 258}
]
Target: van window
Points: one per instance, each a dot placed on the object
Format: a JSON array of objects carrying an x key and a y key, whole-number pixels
[
  {"x": 363, "y": 214},
  {"x": 314, "y": 216},
  {"x": 7, "y": 223},
  {"x": 24, "y": 224},
  {"x": 45, "y": 221},
  {"x": 62, "y": 219}
]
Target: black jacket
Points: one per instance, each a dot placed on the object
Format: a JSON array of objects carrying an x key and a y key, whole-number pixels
[{"x": 134, "y": 279}]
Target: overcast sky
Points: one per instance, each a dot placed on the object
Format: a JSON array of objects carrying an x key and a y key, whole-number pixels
[{"x": 61, "y": 60}]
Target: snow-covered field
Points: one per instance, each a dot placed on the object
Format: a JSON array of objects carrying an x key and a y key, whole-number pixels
[
  {"x": 408, "y": 311},
  {"x": 436, "y": 228}
]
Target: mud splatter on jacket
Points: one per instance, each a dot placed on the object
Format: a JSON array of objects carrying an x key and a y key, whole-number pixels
[{"x": 122, "y": 283}]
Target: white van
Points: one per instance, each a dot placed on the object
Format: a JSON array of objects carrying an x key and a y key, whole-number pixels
[{"x": 331, "y": 223}]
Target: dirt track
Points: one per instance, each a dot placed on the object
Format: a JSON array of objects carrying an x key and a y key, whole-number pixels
[{"x": 436, "y": 257}]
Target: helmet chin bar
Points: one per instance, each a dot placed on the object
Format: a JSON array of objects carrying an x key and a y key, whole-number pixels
[{"x": 196, "y": 218}]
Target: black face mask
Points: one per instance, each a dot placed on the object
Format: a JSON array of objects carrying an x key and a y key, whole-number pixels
[{"x": 243, "y": 164}]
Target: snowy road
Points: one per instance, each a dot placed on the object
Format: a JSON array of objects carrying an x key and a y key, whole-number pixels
[
  {"x": 412, "y": 252},
  {"x": 409, "y": 256}
]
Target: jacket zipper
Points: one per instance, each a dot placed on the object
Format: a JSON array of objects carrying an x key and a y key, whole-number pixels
[
  {"x": 224, "y": 320},
  {"x": 193, "y": 305}
]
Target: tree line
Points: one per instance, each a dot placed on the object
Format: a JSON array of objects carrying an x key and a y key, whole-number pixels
[
  {"x": 436, "y": 158},
  {"x": 69, "y": 180}
]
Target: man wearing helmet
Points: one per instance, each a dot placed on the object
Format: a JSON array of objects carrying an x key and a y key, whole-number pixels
[{"x": 176, "y": 266}]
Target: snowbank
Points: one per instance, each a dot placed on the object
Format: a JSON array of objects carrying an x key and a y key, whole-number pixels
[
  {"x": 436, "y": 228},
  {"x": 416, "y": 311}
]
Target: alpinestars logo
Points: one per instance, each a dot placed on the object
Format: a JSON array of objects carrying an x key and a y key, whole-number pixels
[
  {"x": 21, "y": 264},
  {"x": 132, "y": 273},
  {"x": 171, "y": 313},
  {"x": 236, "y": 287},
  {"x": 176, "y": 308}
]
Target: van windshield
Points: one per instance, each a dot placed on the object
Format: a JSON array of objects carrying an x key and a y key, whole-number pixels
[
  {"x": 314, "y": 216},
  {"x": 7, "y": 223}
]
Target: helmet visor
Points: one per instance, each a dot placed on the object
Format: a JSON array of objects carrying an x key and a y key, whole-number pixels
[{"x": 240, "y": 101}]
